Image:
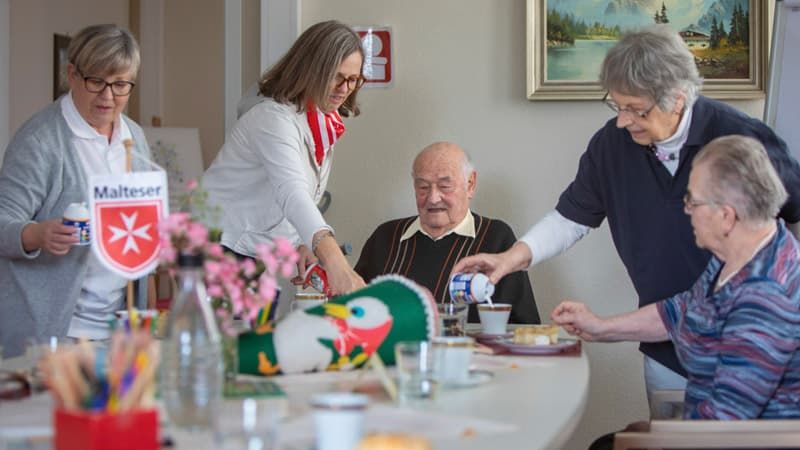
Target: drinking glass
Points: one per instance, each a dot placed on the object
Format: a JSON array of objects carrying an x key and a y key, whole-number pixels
[
  {"x": 248, "y": 424},
  {"x": 452, "y": 318},
  {"x": 415, "y": 377}
]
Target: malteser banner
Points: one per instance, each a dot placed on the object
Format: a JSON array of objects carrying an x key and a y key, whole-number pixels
[{"x": 125, "y": 211}]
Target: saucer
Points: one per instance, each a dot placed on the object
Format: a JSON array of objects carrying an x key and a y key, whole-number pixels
[
  {"x": 481, "y": 336},
  {"x": 475, "y": 378},
  {"x": 533, "y": 349}
]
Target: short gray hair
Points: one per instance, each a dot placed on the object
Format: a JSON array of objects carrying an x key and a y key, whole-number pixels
[
  {"x": 466, "y": 165},
  {"x": 101, "y": 50},
  {"x": 653, "y": 62},
  {"x": 743, "y": 177}
]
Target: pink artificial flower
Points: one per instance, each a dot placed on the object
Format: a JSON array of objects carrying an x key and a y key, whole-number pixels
[
  {"x": 177, "y": 221},
  {"x": 167, "y": 253},
  {"x": 288, "y": 268},
  {"x": 215, "y": 250},
  {"x": 270, "y": 262},
  {"x": 248, "y": 267},
  {"x": 197, "y": 234},
  {"x": 213, "y": 268},
  {"x": 284, "y": 247},
  {"x": 215, "y": 290},
  {"x": 191, "y": 184},
  {"x": 263, "y": 250},
  {"x": 267, "y": 287}
]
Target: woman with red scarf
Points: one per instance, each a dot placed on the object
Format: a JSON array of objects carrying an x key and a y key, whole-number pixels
[{"x": 274, "y": 166}]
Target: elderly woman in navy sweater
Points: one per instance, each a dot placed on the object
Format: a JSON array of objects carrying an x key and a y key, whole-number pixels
[
  {"x": 736, "y": 328},
  {"x": 634, "y": 173},
  {"x": 49, "y": 286}
]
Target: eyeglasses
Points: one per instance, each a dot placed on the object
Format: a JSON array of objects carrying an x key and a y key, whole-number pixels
[
  {"x": 689, "y": 203},
  {"x": 95, "y": 85},
  {"x": 631, "y": 112},
  {"x": 354, "y": 82}
]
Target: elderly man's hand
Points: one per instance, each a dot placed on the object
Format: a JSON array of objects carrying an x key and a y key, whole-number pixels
[{"x": 50, "y": 235}]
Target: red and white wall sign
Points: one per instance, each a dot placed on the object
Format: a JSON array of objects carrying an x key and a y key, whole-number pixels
[{"x": 378, "y": 56}]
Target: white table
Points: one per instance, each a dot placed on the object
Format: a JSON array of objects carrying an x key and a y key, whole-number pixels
[{"x": 538, "y": 400}]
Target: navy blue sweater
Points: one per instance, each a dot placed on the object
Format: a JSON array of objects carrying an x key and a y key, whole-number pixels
[{"x": 624, "y": 182}]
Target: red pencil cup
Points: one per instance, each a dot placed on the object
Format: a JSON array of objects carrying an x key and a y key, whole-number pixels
[{"x": 129, "y": 430}]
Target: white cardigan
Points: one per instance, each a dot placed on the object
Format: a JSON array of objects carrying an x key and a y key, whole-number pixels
[{"x": 266, "y": 181}]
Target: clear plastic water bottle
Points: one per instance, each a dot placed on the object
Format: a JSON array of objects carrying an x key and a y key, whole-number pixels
[{"x": 192, "y": 367}]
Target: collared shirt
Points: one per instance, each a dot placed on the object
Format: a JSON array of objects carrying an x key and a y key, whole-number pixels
[
  {"x": 465, "y": 228},
  {"x": 102, "y": 290},
  {"x": 674, "y": 143}
]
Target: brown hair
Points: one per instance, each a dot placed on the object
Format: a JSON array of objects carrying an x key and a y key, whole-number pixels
[{"x": 307, "y": 69}]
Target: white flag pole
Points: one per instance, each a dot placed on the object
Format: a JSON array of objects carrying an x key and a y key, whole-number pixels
[{"x": 128, "y": 143}]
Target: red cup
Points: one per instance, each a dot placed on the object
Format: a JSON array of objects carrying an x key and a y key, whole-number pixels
[
  {"x": 317, "y": 278},
  {"x": 129, "y": 430}
]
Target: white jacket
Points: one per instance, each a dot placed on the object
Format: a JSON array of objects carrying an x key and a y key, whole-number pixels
[{"x": 266, "y": 181}]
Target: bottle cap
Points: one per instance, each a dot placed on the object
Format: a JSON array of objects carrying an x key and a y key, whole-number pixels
[
  {"x": 77, "y": 212},
  {"x": 190, "y": 260}
]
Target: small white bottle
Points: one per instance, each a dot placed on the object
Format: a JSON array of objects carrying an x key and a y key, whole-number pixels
[
  {"x": 471, "y": 288},
  {"x": 77, "y": 215}
]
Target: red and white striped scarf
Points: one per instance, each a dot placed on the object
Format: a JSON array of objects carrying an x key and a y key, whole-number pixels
[{"x": 326, "y": 129}]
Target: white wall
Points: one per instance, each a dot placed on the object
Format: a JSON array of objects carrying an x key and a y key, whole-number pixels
[
  {"x": 5, "y": 34},
  {"x": 460, "y": 75},
  {"x": 33, "y": 23},
  {"x": 150, "y": 83},
  {"x": 194, "y": 70}
]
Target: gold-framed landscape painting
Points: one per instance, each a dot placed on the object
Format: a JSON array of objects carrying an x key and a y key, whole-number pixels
[{"x": 568, "y": 39}]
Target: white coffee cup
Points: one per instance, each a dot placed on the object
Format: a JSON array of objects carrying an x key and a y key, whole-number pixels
[
  {"x": 494, "y": 317},
  {"x": 452, "y": 357},
  {"x": 339, "y": 419}
]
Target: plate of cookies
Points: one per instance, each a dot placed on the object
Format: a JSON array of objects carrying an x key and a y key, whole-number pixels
[{"x": 536, "y": 340}]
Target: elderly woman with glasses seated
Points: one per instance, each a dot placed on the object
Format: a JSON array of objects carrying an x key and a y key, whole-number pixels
[
  {"x": 737, "y": 328},
  {"x": 273, "y": 169},
  {"x": 634, "y": 173},
  {"x": 50, "y": 287}
]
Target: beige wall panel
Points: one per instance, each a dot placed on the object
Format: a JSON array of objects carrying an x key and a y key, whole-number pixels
[
  {"x": 194, "y": 40},
  {"x": 33, "y": 23}
]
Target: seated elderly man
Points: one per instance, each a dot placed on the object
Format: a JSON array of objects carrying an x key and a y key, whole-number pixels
[
  {"x": 737, "y": 329},
  {"x": 425, "y": 247}
]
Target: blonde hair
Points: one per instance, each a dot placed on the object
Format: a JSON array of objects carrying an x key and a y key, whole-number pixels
[
  {"x": 307, "y": 69},
  {"x": 100, "y": 50}
]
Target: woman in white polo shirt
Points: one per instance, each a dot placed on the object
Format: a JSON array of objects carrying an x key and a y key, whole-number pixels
[
  {"x": 274, "y": 166},
  {"x": 49, "y": 286}
]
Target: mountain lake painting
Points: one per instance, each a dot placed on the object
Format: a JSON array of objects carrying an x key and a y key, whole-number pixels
[{"x": 579, "y": 32}]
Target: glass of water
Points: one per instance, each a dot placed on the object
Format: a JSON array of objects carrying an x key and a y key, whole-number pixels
[
  {"x": 415, "y": 377},
  {"x": 247, "y": 424}
]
